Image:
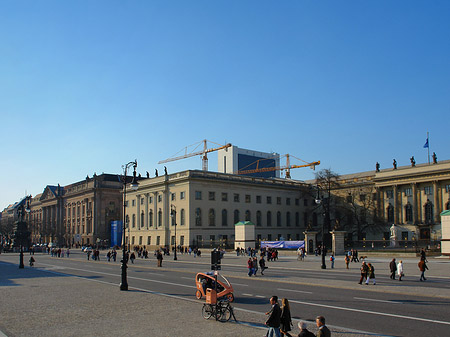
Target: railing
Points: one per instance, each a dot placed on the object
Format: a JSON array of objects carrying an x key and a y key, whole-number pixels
[{"x": 409, "y": 246}]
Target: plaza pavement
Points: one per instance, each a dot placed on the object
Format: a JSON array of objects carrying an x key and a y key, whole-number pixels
[{"x": 37, "y": 302}]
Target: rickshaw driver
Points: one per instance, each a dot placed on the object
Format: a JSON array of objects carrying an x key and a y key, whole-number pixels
[{"x": 207, "y": 283}]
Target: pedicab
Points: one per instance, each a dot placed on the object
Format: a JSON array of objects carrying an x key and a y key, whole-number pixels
[{"x": 204, "y": 281}]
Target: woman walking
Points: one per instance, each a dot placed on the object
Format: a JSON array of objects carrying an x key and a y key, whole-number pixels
[
  {"x": 286, "y": 321},
  {"x": 400, "y": 270}
]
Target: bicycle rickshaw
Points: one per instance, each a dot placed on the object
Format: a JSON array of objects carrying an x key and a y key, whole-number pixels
[{"x": 204, "y": 281}]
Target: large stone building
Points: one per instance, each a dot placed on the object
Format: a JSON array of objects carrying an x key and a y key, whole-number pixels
[
  {"x": 206, "y": 205},
  {"x": 412, "y": 197}
]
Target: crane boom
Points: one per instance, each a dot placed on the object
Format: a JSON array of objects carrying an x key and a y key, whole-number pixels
[{"x": 288, "y": 167}]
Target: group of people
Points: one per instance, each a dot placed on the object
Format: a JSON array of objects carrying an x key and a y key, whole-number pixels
[
  {"x": 252, "y": 265},
  {"x": 367, "y": 273},
  {"x": 279, "y": 322},
  {"x": 58, "y": 252},
  {"x": 397, "y": 268}
]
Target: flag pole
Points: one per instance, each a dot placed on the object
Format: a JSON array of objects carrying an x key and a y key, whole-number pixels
[{"x": 428, "y": 140}]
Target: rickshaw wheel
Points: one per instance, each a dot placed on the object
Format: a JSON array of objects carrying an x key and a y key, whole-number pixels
[
  {"x": 230, "y": 297},
  {"x": 198, "y": 294}
]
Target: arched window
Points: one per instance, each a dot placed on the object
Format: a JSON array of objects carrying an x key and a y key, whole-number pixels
[
  {"x": 390, "y": 213},
  {"x": 428, "y": 212},
  {"x": 159, "y": 218},
  {"x": 198, "y": 217},
  {"x": 269, "y": 219},
  {"x": 236, "y": 216},
  {"x": 278, "y": 219},
  {"x": 133, "y": 221},
  {"x": 142, "y": 219},
  {"x": 288, "y": 219},
  {"x": 258, "y": 219},
  {"x": 212, "y": 217},
  {"x": 247, "y": 215},
  {"x": 224, "y": 217},
  {"x": 408, "y": 213},
  {"x": 182, "y": 217},
  {"x": 173, "y": 215},
  {"x": 150, "y": 218},
  {"x": 297, "y": 219},
  {"x": 127, "y": 220}
]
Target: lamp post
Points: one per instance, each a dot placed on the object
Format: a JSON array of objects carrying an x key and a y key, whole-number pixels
[
  {"x": 173, "y": 215},
  {"x": 22, "y": 233},
  {"x": 133, "y": 186},
  {"x": 319, "y": 201}
]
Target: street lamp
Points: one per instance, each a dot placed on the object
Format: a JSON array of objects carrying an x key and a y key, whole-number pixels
[
  {"x": 133, "y": 187},
  {"x": 22, "y": 233},
  {"x": 319, "y": 201},
  {"x": 173, "y": 215}
]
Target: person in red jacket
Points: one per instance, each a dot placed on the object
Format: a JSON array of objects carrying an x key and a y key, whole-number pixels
[{"x": 422, "y": 267}]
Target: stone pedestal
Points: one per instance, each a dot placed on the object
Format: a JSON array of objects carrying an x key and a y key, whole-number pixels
[
  {"x": 310, "y": 241},
  {"x": 445, "y": 230},
  {"x": 244, "y": 234},
  {"x": 338, "y": 238}
]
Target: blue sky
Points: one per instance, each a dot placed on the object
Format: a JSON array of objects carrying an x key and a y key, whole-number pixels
[{"x": 87, "y": 86}]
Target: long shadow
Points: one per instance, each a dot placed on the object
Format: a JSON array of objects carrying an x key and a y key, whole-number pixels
[{"x": 10, "y": 272}]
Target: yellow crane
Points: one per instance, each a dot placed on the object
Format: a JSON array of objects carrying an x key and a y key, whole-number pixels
[
  {"x": 202, "y": 153},
  {"x": 288, "y": 167}
]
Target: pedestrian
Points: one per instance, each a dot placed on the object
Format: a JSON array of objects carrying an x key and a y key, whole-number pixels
[
  {"x": 68, "y": 252},
  {"x": 304, "y": 332},
  {"x": 364, "y": 271},
  {"x": 250, "y": 266},
  {"x": 159, "y": 257},
  {"x": 262, "y": 265},
  {"x": 114, "y": 255},
  {"x": 347, "y": 261},
  {"x": 32, "y": 261},
  {"x": 108, "y": 256},
  {"x": 423, "y": 255},
  {"x": 332, "y": 261},
  {"x": 323, "y": 330},
  {"x": 88, "y": 254},
  {"x": 285, "y": 319},
  {"x": 370, "y": 274},
  {"x": 422, "y": 267},
  {"x": 400, "y": 270},
  {"x": 393, "y": 268},
  {"x": 274, "y": 320},
  {"x": 255, "y": 265},
  {"x": 132, "y": 257}
]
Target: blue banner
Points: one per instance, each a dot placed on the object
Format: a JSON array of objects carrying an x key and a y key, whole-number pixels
[
  {"x": 116, "y": 233},
  {"x": 283, "y": 244}
]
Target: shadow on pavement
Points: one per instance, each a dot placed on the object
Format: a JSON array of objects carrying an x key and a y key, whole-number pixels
[{"x": 10, "y": 272}]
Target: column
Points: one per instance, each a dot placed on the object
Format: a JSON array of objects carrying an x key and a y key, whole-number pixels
[
  {"x": 414, "y": 205},
  {"x": 146, "y": 211},
  {"x": 155, "y": 210},
  {"x": 338, "y": 242},
  {"x": 138, "y": 211},
  {"x": 310, "y": 247},
  {"x": 395, "y": 204},
  {"x": 437, "y": 208}
]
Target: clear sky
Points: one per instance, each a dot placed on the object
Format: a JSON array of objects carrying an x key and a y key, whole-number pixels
[{"x": 87, "y": 86}]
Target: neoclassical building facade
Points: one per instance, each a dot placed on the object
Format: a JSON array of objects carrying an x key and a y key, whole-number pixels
[{"x": 205, "y": 206}]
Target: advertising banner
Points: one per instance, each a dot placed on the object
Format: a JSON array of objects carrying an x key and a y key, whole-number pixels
[
  {"x": 116, "y": 233},
  {"x": 283, "y": 244}
]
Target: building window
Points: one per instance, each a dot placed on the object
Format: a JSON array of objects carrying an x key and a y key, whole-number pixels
[
  {"x": 159, "y": 218},
  {"x": 408, "y": 212},
  {"x": 428, "y": 190},
  {"x": 149, "y": 240},
  {"x": 389, "y": 194},
  {"x": 172, "y": 240},
  {"x": 278, "y": 200},
  {"x": 212, "y": 196},
  {"x": 198, "y": 217},
  {"x": 236, "y": 216},
  {"x": 362, "y": 197},
  {"x": 297, "y": 219},
  {"x": 133, "y": 222},
  {"x": 172, "y": 197},
  {"x": 224, "y": 217},
  {"x": 142, "y": 219},
  {"x": 447, "y": 188},
  {"x": 269, "y": 200},
  {"x": 288, "y": 219},
  {"x": 140, "y": 240},
  {"x": 212, "y": 217},
  {"x": 198, "y": 195},
  {"x": 258, "y": 199},
  {"x": 212, "y": 240},
  {"x": 248, "y": 198},
  {"x": 182, "y": 217},
  {"x": 408, "y": 191},
  {"x": 127, "y": 220},
  {"x": 224, "y": 196},
  {"x": 182, "y": 195},
  {"x": 247, "y": 215},
  {"x": 269, "y": 219},
  {"x": 297, "y": 201},
  {"x": 305, "y": 202},
  {"x": 390, "y": 213},
  {"x": 349, "y": 198},
  {"x": 133, "y": 203},
  {"x": 132, "y": 240},
  {"x": 269, "y": 237},
  {"x": 405, "y": 236},
  {"x": 182, "y": 240},
  {"x": 278, "y": 219},
  {"x": 236, "y": 197},
  {"x": 428, "y": 212},
  {"x": 142, "y": 201},
  {"x": 150, "y": 218},
  {"x": 158, "y": 240},
  {"x": 258, "y": 219},
  {"x": 173, "y": 216},
  {"x": 288, "y": 201},
  {"x": 150, "y": 200}
]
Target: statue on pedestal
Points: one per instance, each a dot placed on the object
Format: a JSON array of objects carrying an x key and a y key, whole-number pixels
[{"x": 393, "y": 236}]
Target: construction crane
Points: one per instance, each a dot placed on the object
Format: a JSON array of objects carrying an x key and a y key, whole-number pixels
[
  {"x": 202, "y": 153},
  {"x": 288, "y": 167}
]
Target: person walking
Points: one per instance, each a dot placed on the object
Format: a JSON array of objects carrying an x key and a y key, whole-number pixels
[
  {"x": 274, "y": 320},
  {"x": 304, "y": 332},
  {"x": 332, "y": 261},
  {"x": 364, "y": 271},
  {"x": 370, "y": 274},
  {"x": 393, "y": 268},
  {"x": 250, "y": 266},
  {"x": 159, "y": 257},
  {"x": 400, "y": 270},
  {"x": 422, "y": 267},
  {"x": 255, "y": 265},
  {"x": 323, "y": 330},
  {"x": 262, "y": 265},
  {"x": 285, "y": 320},
  {"x": 347, "y": 261}
]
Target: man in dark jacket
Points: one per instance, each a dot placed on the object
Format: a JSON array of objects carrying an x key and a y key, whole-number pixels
[
  {"x": 303, "y": 331},
  {"x": 393, "y": 268},
  {"x": 323, "y": 330},
  {"x": 273, "y": 322}
]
